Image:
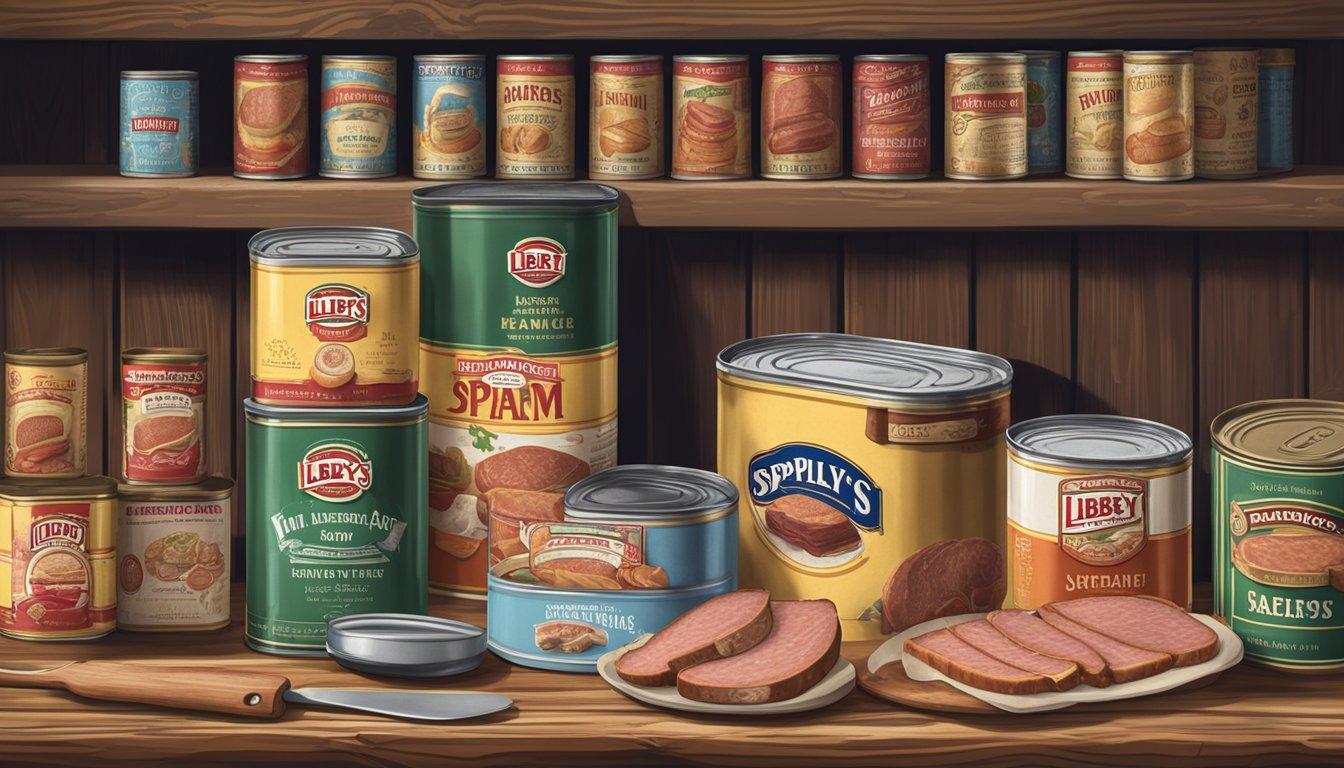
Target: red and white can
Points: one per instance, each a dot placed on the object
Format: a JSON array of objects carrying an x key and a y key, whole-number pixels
[
  {"x": 270, "y": 117},
  {"x": 891, "y": 117},
  {"x": 163, "y": 415}
]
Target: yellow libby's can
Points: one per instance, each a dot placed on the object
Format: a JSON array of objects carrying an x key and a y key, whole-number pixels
[{"x": 851, "y": 454}]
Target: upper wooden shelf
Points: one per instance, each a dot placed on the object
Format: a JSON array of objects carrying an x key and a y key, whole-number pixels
[
  {"x": 665, "y": 19},
  {"x": 61, "y": 197}
]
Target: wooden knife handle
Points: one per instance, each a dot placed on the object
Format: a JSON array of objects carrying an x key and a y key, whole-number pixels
[{"x": 251, "y": 694}]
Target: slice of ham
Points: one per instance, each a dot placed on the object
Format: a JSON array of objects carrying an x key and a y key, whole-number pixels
[
  {"x": 1033, "y": 633},
  {"x": 1125, "y": 662},
  {"x": 815, "y": 526},
  {"x": 965, "y": 663},
  {"x": 990, "y": 641},
  {"x": 726, "y": 625},
  {"x": 1143, "y": 622},
  {"x": 803, "y": 645}
]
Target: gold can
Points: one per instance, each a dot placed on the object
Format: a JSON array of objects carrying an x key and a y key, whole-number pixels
[
  {"x": 58, "y": 559},
  {"x": 1159, "y": 115},
  {"x": 986, "y": 128},
  {"x": 173, "y": 556},
  {"x": 711, "y": 120},
  {"x": 46, "y": 412},
  {"x": 535, "y": 102},
  {"x": 800, "y": 117},
  {"x": 1226, "y": 100},
  {"x": 625, "y": 126},
  {"x": 1094, "y": 116}
]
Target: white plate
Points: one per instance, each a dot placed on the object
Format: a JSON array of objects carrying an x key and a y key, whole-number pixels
[
  {"x": 833, "y": 687},
  {"x": 1229, "y": 655}
]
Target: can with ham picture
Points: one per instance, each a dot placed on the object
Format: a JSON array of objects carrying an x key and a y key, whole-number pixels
[
  {"x": 270, "y": 117},
  {"x": 163, "y": 414},
  {"x": 46, "y": 412}
]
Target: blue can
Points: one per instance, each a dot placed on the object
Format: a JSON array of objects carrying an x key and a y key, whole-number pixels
[
  {"x": 160, "y": 115},
  {"x": 1275, "y": 145},
  {"x": 639, "y": 546},
  {"x": 1045, "y": 116},
  {"x": 359, "y": 117}
]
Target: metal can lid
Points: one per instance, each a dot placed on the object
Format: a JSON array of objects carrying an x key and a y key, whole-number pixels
[
  {"x": 716, "y": 58},
  {"x": 333, "y": 246},
  {"x": 971, "y": 58},
  {"x": 376, "y": 57},
  {"x": 1113, "y": 53},
  {"x": 1037, "y": 54},
  {"x": 801, "y": 57},
  {"x": 271, "y": 58},
  {"x": 414, "y": 410},
  {"x": 164, "y": 355},
  {"x": 565, "y": 194},
  {"x": 892, "y": 57},
  {"x": 406, "y": 644},
  {"x": 1278, "y": 57},
  {"x": 449, "y": 58},
  {"x": 164, "y": 74},
  {"x": 46, "y": 355},
  {"x": 535, "y": 57},
  {"x": 75, "y": 488},
  {"x": 649, "y": 492},
  {"x": 882, "y": 371},
  {"x": 208, "y": 489},
  {"x": 1286, "y": 434},
  {"x": 1159, "y": 57},
  {"x": 1098, "y": 441},
  {"x": 626, "y": 58}
]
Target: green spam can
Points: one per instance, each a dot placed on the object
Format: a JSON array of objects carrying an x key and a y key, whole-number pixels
[
  {"x": 517, "y": 355},
  {"x": 1278, "y": 531},
  {"x": 336, "y": 519}
]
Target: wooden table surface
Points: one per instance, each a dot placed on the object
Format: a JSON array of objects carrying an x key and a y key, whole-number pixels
[{"x": 1250, "y": 716}]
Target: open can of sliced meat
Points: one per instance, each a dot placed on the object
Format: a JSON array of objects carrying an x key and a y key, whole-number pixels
[
  {"x": 1097, "y": 505},
  {"x": 46, "y": 412},
  {"x": 163, "y": 415},
  {"x": 622, "y": 554},
  {"x": 1278, "y": 531},
  {"x": 852, "y": 454}
]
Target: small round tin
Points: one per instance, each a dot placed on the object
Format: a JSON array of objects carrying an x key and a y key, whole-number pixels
[
  {"x": 405, "y": 645},
  {"x": 1045, "y": 112},
  {"x": 160, "y": 112},
  {"x": 359, "y": 117},
  {"x": 46, "y": 412}
]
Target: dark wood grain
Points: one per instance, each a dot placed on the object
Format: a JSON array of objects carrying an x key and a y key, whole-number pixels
[
  {"x": 1024, "y": 312},
  {"x": 242, "y": 387},
  {"x": 1325, "y": 318},
  {"x": 909, "y": 286},
  {"x": 1321, "y": 72},
  {"x": 472, "y": 19},
  {"x": 795, "y": 282},
  {"x": 699, "y": 306}
]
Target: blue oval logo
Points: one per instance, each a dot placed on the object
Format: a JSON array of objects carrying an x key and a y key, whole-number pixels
[{"x": 824, "y": 475}]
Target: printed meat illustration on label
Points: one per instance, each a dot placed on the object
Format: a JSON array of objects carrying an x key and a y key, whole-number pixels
[{"x": 811, "y": 503}]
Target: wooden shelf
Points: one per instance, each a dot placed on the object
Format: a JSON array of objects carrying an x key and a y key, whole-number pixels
[
  {"x": 651, "y": 19},
  {"x": 1250, "y": 715},
  {"x": 76, "y": 196}
]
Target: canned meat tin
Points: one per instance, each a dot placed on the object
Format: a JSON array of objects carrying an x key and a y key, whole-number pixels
[
  {"x": 359, "y": 117},
  {"x": 334, "y": 316},
  {"x": 1045, "y": 113},
  {"x": 270, "y": 117},
  {"x": 850, "y": 453},
  {"x": 986, "y": 117},
  {"x": 1097, "y": 505},
  {"x": 58, "y": 555},
  {"x": 518, "y": 350},
  {"x": 160, "y": 116},
  {"x": 637, "y": 545},
  {"x": 711, "y": 117},
  {"x": 1159, "y": 115},
  {"x": 46, "y": 412},
  {"x": 1094, "y": 95},
  {"x": 1226, "y": 106},
  {"x": 1278, "y": 530},
  {"x": 174, "y": 547},
  {"x": 163, "y": 415},
  {"x": 625, "y": 128},
  {"x": 891, "y": 117},
  {"x": 336, "y": 519},
  {"x": 449, "y": 117},
  {"x": 535, "y": 103},
  {"x": 1274, "y": 136},
  {"x": 801, "y": 117}
]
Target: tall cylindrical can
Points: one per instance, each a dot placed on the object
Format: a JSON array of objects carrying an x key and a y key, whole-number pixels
[
  {"x": 1045, "y": 113},
  {"x": 160, "y": 112},
  {"x": 46, "y": 412},
  {"x": 1159, "y": 115},
  {"x": 801, "y": 117},
  {"x": 449, "y": 117},
  {"x": 1274, "y": 148},
  {"x": 1094, "y": 115},
  {"x": 625, "y": 121},
  {"x": 1226, "y": 81},
  {"x": 359, "y": 117},
  {"x": 891, "y": 117},
  {"x": 270, "y": 117},
  {"x": 986, "y": 119},
  {"x": 518, "y": 355},
  {"x": 163, "y": 415},
  {"x": 535, "y": 103},
  {"x": 711, "y": 117}
]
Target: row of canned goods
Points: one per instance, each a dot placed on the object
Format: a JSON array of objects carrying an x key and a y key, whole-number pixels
[{"x": 1140, "y": 115}]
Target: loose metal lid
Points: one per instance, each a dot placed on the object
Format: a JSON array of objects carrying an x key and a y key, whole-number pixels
[
  {"x": 209, "y": 489},
  {"x": 31, "y": 489},
  {"x": 1285, "y": 434},
  {"x": 46, "y": 356},
  {"x": 1099, "y": 441},
  {"x": 565, "y": 194},
  {"x": 649, "y": 492},
  {"x": 333, "y": 246},
  {"x": 883, "y": 371},
  {"x": 416, "y": 409},
  {"x": 405, "y": 645}
]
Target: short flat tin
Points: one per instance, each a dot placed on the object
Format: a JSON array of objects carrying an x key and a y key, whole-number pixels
[{"x": 405, "y": 645}]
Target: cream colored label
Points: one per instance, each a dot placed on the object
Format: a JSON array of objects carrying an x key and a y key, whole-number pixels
[
  {"x": 1159, "y": 120},
  {"x": 625, "y": 132},
  {"x": 986, "y": 129},
  {"x": 1094, "y": 118},
  {"x": 173, "y": 563},
  {"x": 1226, "y": 84},
  {"x": 536, "y": 126}
]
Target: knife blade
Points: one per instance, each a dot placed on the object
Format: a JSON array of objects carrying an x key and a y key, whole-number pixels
[{"x": 415, "y": 705}]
